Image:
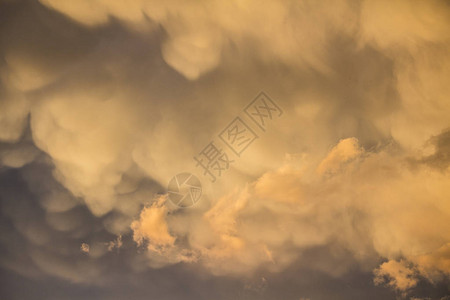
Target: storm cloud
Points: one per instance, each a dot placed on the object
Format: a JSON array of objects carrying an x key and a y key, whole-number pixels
[{"x": 345, "y": 195}]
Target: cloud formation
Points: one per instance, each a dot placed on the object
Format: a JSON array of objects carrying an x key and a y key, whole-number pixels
[
  {"x": 400, "y": 211},
  {"x": 102, "y": 102}
]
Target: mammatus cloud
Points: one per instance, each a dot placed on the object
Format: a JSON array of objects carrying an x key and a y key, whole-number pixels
[
  {"x": 199, "y": 32},
  {"x": 102, "y": 102}
]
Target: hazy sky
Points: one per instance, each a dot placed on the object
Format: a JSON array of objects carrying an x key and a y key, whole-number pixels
[{"x": 334, "y": 183}]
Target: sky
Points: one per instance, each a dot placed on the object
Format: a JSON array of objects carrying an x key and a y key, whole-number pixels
[{"x": 308, "y": 141}]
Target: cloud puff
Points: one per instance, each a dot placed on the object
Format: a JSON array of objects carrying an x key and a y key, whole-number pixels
[
  {"x": 398, "y": 274},
  {"x": 153, "y": 227},
  {"x": 84, "y": 248},
  {"x": 343, "y": 152}
]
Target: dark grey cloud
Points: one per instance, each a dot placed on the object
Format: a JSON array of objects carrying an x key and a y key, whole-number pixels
[{"x": 441, "y": 156}]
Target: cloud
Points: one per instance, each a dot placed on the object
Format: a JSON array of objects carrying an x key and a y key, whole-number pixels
[
  {"x": 399, "y": 275},
  {"x": 403, "y": 275},
  {"x": 441, "y": 144},
  {"x": 414, "y": 36},
  {"x": 152, "y": 227},
  {"x": 343, "y": 152},
  {"x": 14, "y": 111},
  {"x": 84, "y": 248},
  {"x": 102, "y": 102},
  {"x": 197, "y": 33},
  {"x": 400, "y": 210}
]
